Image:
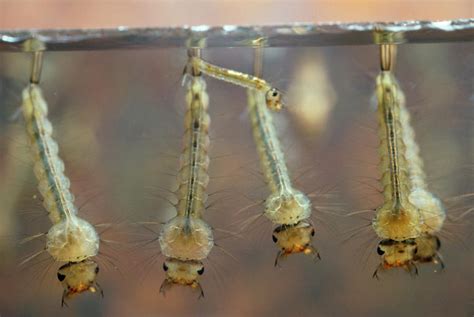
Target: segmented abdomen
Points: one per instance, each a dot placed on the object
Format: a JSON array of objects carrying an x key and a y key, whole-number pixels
[
  {"x": 231, "y": 76},
  {"x": 392, "y": 150},
  {"x": 193, "y": 175},
  {"x": 48, "y": 166},
  {"x": 268, "y": 146}
]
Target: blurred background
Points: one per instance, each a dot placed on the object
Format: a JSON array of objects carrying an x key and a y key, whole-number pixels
[
  {"x": 118, "y": 119},
  {"x": 140, "y": 13}
]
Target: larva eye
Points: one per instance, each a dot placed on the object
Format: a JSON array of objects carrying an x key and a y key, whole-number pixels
[
  {"x": 61, "y": 277},
  {"x": 380, "y": 251},
  {"x": 96, "y": 270},
  {"x": 165, "y": 267},
  {"x": 200, "y": 271},
  {"x": 273, "y": 95},
  {"x": 312, "y": 232},
  {"x": 274, "y": 238}
]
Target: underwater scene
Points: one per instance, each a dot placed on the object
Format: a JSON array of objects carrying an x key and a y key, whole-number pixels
[{"x": 305, "y": 170}]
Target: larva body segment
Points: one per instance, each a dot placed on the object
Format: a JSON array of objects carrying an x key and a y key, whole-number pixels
[{"x": 187, "y": 239}]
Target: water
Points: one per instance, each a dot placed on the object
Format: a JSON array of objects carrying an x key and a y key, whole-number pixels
[{"x": 117, "y": 116}]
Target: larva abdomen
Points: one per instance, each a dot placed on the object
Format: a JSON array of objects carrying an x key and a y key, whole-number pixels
[{"x": 48, "y": 166}]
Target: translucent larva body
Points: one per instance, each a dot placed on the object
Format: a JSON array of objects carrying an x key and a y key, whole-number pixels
[
  {"x": 397, "y": 219},
  {"x": 71, "y": 239},
  {"x": 398, "y": 222},
  {"x": 187, "y": 239},
  {"x": 286, "y": 206},
  {"x": 410, "y": 214},
  {"x": 273, "y": 97}
]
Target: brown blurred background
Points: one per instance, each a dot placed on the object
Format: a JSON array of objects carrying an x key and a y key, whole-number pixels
[
  {"x": 118, "y": 120},
  {"x": 139, "y": 13},
  {"x": 117, "y": 116}
]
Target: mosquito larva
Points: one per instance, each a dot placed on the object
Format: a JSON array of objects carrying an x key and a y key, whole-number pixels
[
  {"x": 273, "y": 97},
  {"x": 186, "y": 240},
  {"x": 286, "y": 206},
  {"x": 397, "y": 221},
  {"x": 408, "y": 228},
  {"x": 71, "y": 239}
]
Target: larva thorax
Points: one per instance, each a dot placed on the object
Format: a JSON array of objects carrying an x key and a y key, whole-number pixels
[{"x": 186, "y": 239}]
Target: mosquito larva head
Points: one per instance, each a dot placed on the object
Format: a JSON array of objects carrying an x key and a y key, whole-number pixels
[
  {"x": 79, "y": 277},
  {"x": 184, "y": 273},
  {"x": 273, "y": 99},
  {"x": 288, "y": 208},
  {"x": 397, "y": 253},
  {"x": 294, "y": 239},
  {"x": 72, "y": 240}
]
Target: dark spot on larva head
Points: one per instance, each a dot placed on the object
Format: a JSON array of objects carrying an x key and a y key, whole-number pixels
[
  {"x": 196, "y": 124},
  {"x": 61, "y": 277},
  {"x": 200, "y": 271},
  {"x": 274, "y": 238},
  {"x": 165, "y": 267},
  {"x": 380, "y": 251}
]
